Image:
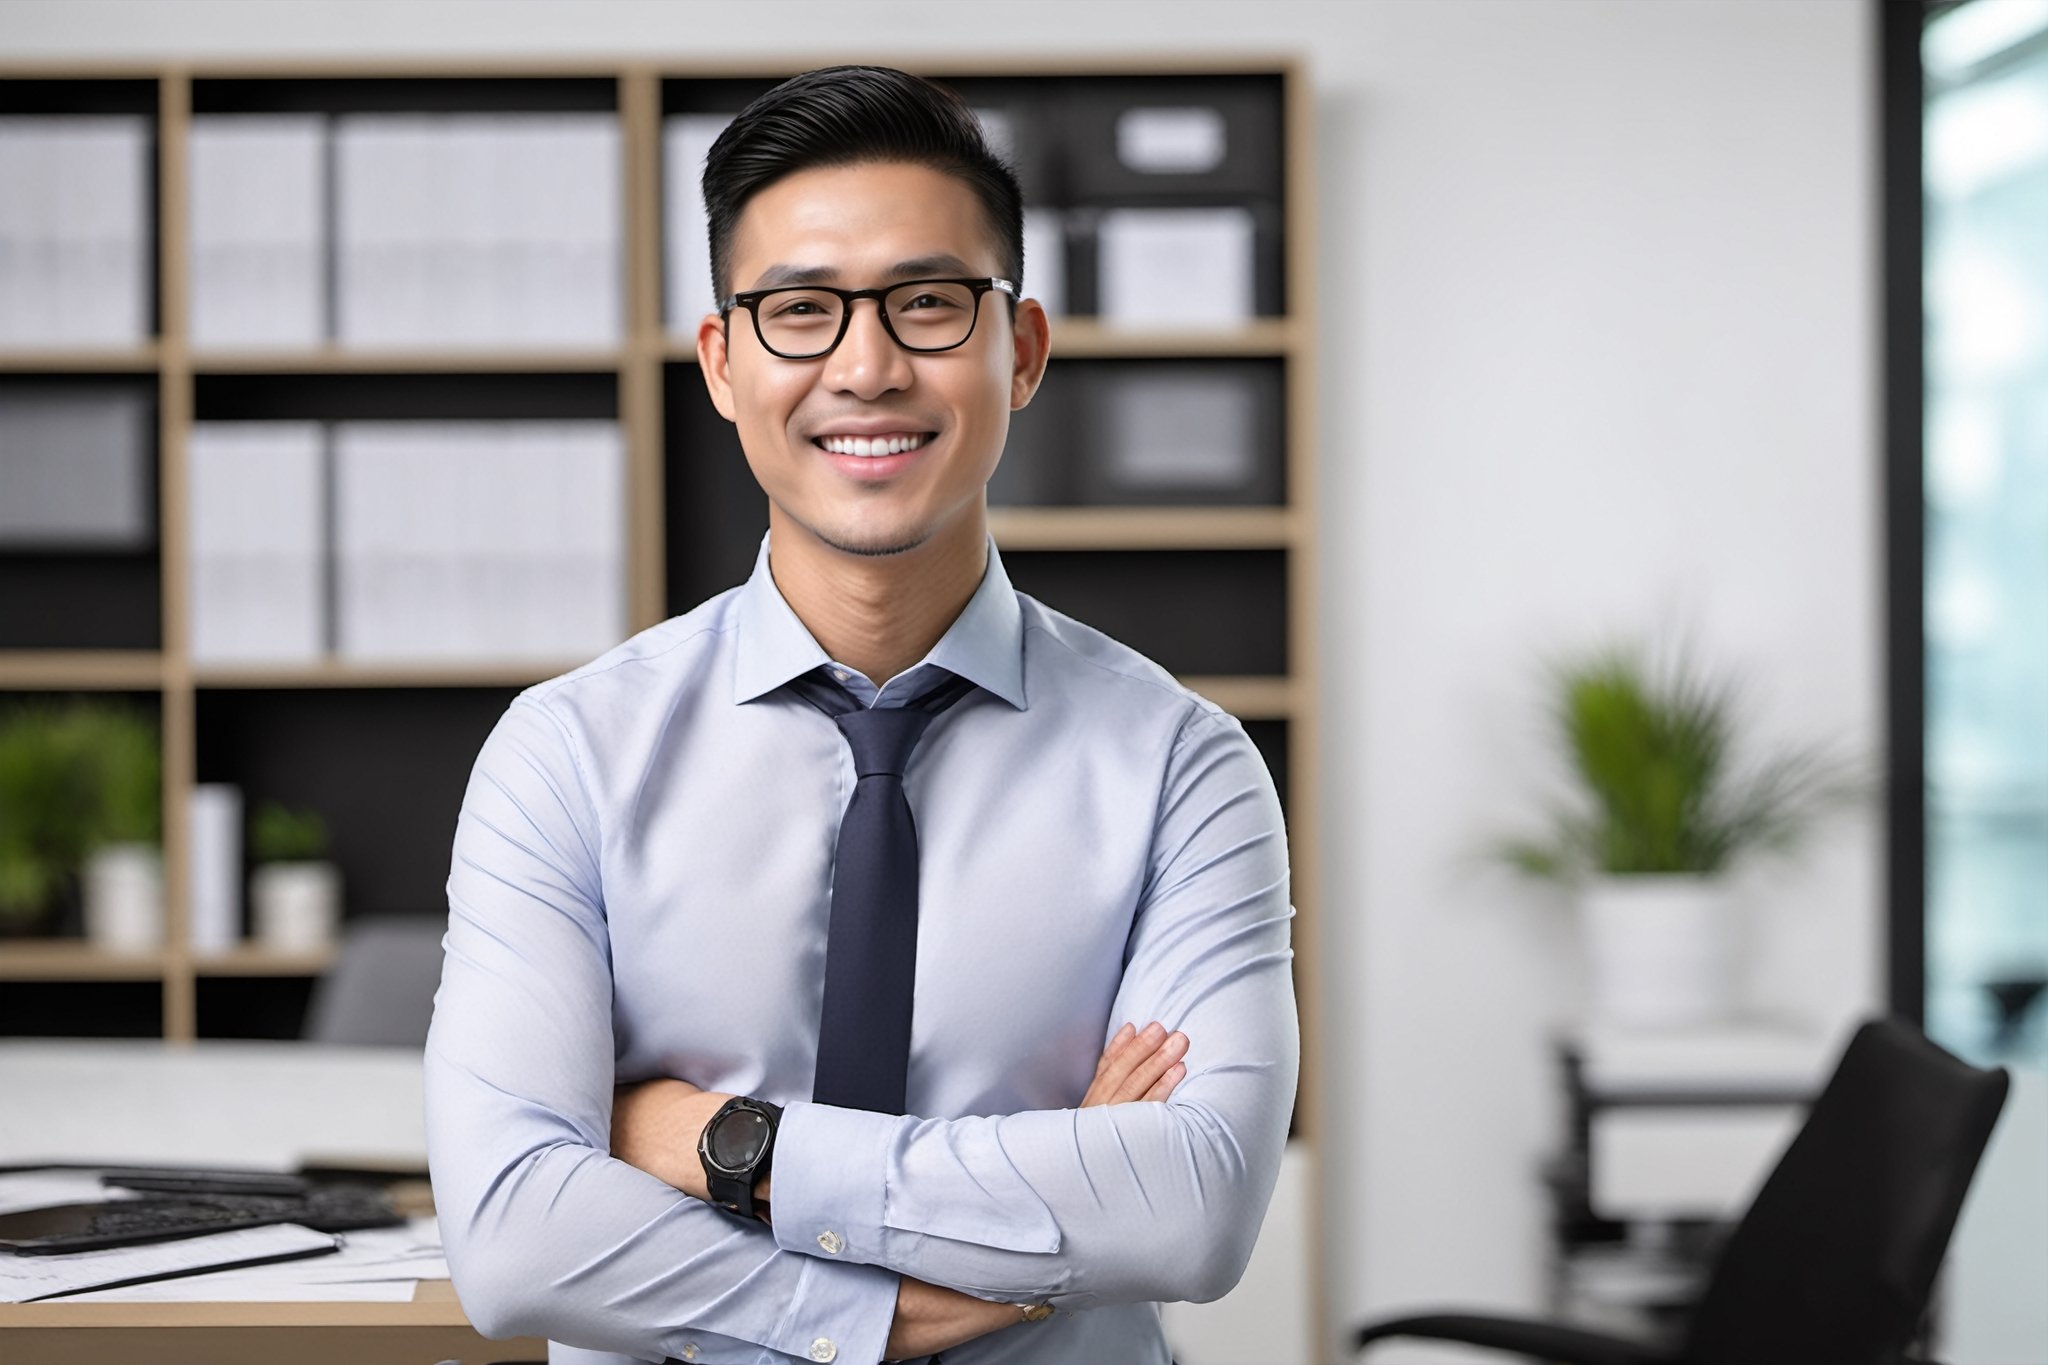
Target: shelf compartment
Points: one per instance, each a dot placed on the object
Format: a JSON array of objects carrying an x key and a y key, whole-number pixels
[
  {"x": 386, "y": 767},
  {"x": 1190, "y": 611},
  {"x": 82, "y": 1007},
  {"x": 381, "y": 393}
]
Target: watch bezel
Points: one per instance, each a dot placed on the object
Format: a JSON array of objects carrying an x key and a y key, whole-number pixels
[{"x": 738, "y": 1104}]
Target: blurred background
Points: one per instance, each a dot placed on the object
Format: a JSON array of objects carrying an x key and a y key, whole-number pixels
[{"x": 1437, "y": 385}]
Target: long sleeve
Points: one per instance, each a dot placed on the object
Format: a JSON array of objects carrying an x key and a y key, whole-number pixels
[
  {"x": 1116, "y": 1203},
  {"x": 546, "y": 1232}
]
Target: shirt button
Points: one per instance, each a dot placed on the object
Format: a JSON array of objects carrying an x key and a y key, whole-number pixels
[
  {"x": 823, "y": 1349},
  {"x": 690, "y": 1351},
  {"x": 840, "y": 674},
  {"x": 830, "y": 1241}
]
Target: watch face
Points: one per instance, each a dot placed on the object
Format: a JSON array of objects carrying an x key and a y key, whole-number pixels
[{"x": 738, "y": 1139}]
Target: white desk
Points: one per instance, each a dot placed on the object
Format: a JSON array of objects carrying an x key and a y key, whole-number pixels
[
  {"x": 265, "y": 1105},
  {"x": 234, "y": 1104}
]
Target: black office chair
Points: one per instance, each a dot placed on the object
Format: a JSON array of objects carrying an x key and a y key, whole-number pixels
[{"x": 1834, "y": 1261}]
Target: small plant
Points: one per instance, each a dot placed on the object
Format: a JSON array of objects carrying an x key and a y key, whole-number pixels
[
  {"x": 74, "y": 776},
  {"x": 278, "y": 834},
  {"x": 1653, "y": 751}
]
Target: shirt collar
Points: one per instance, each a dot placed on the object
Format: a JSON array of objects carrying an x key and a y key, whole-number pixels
[{"x": 985, "y": 643}]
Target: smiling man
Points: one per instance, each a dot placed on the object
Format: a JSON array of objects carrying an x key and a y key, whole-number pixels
[{"x": 871, "y": 963}]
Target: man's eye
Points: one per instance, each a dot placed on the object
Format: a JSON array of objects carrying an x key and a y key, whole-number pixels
[{"x": 925, "y": 301}]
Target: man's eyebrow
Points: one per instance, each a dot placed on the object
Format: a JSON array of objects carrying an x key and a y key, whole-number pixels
[
  {"x": 943, "y": 263},
  {"x": 775, "y": 276},
  {"x": 917, "y": 267}
]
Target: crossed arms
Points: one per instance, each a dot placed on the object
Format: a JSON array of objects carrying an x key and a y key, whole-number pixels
[{"x": 548, "y": 1232}]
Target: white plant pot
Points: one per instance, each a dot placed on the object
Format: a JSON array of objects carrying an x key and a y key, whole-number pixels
[
  {"x": 124, "y": 898},
  {"x": 297, "y": 906},
  {"x": 1660, "y": 950}
]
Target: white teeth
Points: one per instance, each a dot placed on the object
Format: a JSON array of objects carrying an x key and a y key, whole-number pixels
[{"x": 862, "y": 445}]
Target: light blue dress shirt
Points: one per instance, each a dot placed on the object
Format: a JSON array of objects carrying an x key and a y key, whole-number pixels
[{"x": 640, "y": 887}]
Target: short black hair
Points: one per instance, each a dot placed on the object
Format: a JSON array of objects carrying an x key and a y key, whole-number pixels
[{"x": 845, "y": 115}]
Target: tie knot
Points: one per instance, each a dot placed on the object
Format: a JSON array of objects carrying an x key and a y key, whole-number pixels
[{"x": 882, "y": 738}]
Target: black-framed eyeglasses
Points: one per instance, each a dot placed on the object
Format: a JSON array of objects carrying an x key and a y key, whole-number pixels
[{"x": 805, "y": 321}]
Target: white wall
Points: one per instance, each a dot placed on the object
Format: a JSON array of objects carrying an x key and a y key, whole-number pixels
[{"x": 1597, "y": 340}]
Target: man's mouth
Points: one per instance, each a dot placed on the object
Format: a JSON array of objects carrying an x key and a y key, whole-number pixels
[{"x": 882, "y": 443}]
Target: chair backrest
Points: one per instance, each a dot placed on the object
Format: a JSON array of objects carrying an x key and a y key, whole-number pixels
[
  {"x": 380, "y": 990},
  {"x": 1834, "y": 1261}
]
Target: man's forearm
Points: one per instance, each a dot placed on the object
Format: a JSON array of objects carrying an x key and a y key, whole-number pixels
[{"x": 930, "y": 1318}]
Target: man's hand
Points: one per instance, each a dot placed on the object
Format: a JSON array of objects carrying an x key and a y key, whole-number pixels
[{"x": 1137, "y": 1065}]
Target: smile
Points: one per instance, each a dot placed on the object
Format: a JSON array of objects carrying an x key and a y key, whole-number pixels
[{"x": 892, "y": 443}]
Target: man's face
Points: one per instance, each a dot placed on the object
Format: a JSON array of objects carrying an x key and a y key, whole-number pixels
[{"x": 867, "y": 226}]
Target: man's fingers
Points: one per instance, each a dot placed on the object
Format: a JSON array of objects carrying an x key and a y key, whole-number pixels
[
  {"x": 1123, "y": 1035},
  {"x": 1123, "y": 1057},
  {"x": 1163, "y": 1087},
  {"x": 1147, "y": 1072}
]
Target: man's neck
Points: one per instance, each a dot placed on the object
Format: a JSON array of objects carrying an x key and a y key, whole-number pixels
[{"x": 878, "y": 613}]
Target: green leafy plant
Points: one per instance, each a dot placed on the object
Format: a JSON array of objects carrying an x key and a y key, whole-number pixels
[
  {"x": 74, "y": 776},
  {"x": 279, "y": 834},
  {"x": 1661, "y": 791}
]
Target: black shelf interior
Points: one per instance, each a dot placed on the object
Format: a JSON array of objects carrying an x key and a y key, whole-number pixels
[
  {"x": 1189, "y": 611},
  {"x": 469, "y": 396},
  {"x": 272, "y": 1007},
  {"x": 405, "y": 95},
  {"x": 386, "y": 767},
  {"x": 1062, "y": 448},
  {"x": 82, "y": 1009}
]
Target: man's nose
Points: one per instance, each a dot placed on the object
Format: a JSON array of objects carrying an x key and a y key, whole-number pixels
[{"x": 867, "y": 362}]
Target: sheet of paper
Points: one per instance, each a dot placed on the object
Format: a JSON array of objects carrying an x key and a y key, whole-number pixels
[
  {"x": 374, "y": 1265},
  {"x": 24, "y": 1279},
  {"x": 1176, "y": 267}
]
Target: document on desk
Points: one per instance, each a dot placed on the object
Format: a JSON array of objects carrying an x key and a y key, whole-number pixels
[
  {"x": 27, "y": 1279},
  {"x": 373, "y": 1265}
]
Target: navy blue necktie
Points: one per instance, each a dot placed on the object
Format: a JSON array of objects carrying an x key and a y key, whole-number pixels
[{"x": 871, "y": 946}]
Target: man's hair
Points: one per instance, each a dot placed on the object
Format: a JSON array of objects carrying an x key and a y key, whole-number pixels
[{"x": 843, "y": 116}]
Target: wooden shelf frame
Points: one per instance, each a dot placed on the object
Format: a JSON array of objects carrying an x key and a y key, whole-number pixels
[{"x": 638, "y": 362}]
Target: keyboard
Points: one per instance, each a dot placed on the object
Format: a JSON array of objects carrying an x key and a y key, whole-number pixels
[{"x": 128, "y": 1222}]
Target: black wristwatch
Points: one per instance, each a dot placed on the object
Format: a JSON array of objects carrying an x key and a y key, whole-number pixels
[{"x": 736, "y": 1148}]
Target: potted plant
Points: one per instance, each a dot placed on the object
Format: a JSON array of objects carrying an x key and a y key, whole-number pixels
[
  {"x": 80, "y": 793},
  {"x": 295, "y": 892},
  {"x": 124, "y": 868},
  {"x": 1664, "y": 811}
]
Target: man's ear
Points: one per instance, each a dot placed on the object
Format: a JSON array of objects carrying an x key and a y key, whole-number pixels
[
  {"x": 1031, "y": 347},
  {"x": 713, "y": 360}
]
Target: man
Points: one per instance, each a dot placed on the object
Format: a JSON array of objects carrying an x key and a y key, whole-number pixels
[{"x": 678, "y": 871}]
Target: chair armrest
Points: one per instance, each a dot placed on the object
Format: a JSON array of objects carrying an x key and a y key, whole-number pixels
[{"x": 1547, "y": 1341}]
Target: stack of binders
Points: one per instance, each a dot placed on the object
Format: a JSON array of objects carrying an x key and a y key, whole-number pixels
[
  {"x": 441, "y": 542},
  {"x": 74, "y": 230}
]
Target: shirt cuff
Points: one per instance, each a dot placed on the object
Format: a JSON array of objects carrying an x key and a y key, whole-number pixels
[
  {"x": 840, "y": 1313},
  {"x": 831, "y": 1180}
]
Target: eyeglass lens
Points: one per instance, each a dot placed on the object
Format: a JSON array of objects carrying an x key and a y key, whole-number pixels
[{"x": 799, "y": 323}]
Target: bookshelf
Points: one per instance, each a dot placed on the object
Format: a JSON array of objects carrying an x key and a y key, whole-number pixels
[{"x": 301, "y": 732}]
